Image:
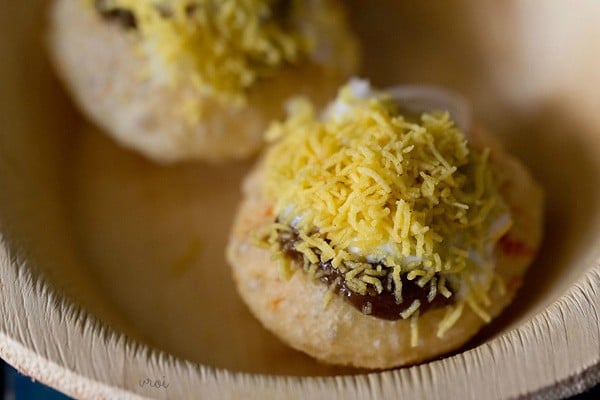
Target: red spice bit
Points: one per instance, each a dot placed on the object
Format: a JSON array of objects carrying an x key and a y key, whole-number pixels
[
  {"x": 514, "y": 247},
  {"x": 276, "y": 302},
  {"x": 514, "y": 283}
]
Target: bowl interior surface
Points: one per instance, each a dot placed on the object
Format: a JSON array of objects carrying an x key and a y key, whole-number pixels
[{"x": 141, "y": 246}]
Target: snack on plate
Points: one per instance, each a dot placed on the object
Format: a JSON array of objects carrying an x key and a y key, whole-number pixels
[
  {"x": 373, "y": 237},
  {"x": 197, "y": 79}
]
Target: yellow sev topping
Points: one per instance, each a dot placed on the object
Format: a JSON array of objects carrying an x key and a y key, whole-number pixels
[
  {"x": 367, "y": 188},
  {"x": 219, "y": 47}
]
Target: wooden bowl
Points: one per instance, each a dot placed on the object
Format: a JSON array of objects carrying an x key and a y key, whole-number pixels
[{"x": 113, "y": 282}]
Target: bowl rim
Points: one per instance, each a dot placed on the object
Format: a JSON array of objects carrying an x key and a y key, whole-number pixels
[{"x": 114, "y": 363}]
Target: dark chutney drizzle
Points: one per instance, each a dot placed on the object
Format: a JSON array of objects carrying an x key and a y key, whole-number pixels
[
  {"x": 120, "y": 16},
  {"x": 281, "y": 10},
  {"x": 381, "y": 305}
]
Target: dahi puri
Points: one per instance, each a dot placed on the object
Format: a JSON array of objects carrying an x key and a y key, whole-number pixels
[
  {"x": 197, "y": 79},
  {"x": 375, "y": 239}
]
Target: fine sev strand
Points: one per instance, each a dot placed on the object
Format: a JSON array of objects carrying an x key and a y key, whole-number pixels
[
  {"x": 367, "y": 186},
  {"x": 218, "y": 47}
]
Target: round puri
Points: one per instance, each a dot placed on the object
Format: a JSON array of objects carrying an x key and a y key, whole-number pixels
[
  {"x": 338, "y": 333},
  {"x": 100, "y": 64}
]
